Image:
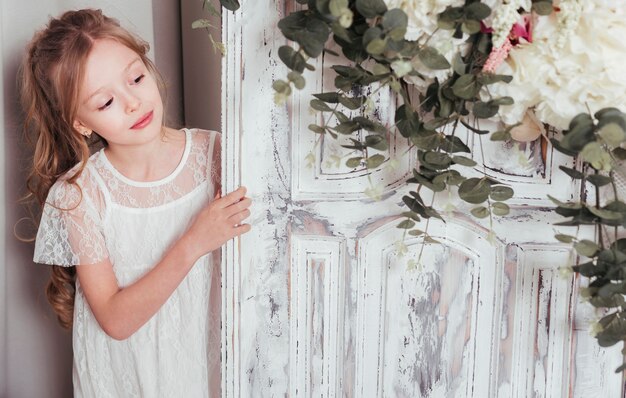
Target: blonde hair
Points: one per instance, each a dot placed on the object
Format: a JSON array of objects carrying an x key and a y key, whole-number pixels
[{"x": 50, "y": 77}]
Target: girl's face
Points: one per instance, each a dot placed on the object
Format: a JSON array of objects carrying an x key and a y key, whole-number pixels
[{"x": 118, "y": 98}]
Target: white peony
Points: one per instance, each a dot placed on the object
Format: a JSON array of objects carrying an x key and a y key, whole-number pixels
[{"x": 562, "y": 78}]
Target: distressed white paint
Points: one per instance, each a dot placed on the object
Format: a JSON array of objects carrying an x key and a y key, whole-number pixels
[
  {"x": 319, "y": 302},
  {"x": 329, "y": 177},
  {"x": 417, "y": 327},
  {"x": 317, "y": 268}
]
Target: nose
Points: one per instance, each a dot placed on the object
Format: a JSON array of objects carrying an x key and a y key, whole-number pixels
[{"x": 132, "y": 103}]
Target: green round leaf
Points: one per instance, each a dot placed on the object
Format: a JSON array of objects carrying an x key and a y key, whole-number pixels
[
  {"x": 201, "y": 23},
  {"x": 395, "y": 18},
  {"x": 376, "y": 46},
  {"x": 470, "y": 26},
  {"x": 374, "y": 161},
  {"x": 337, "y": 6},
  {"x": 500, "y": 136},
  {"x": 464, "y": 161},
  {"x": 280, "y": 85},
  {"x": 380, "y": 69},
  {"x": 354, "y": 162},
  {"x": 564, "y": 238},
  {"x": 317, "y": 129},
  {"x": 599, "y": 180},
  {"x": 411, "y": 215},
  {"x": 440, "y": 159},
  {"x": 371, "y": 8},
  {"x": 477, "y": 11},
  {"x": 297, "y": 79},
  {"x": 231, "y": 5},
  {"x": 331, "y": 97},
  {"x": 484, "y": 110},
  {"x": 377, "y": 142},
  {"x": 490, "y": 78},
  {"x": 480, "y": 212},
  {"x": 501, "y": 192},
  {"x": 500, "y": 208},
  {"x": 503, "y": 101},
  {"x": 291, "y": 58},
  {"x": 605, "y": 214},
  {"x": 586, "y": 248},
  {"x": 612, "y": 134},
  {"x": 432, "y": 58},
  {"x": 474, "y": 190},
  {"x": 466, "y": 87},
  {"x": 319, "y": 105},
  {"x": 594, "y": 154},
  {"x": 406, "y": 224}
]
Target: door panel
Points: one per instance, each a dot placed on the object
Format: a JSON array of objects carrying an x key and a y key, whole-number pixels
[{"x": 325, "y": 297}]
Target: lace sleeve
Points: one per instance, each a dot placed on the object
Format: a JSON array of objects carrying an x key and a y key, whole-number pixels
[
  {"x": 70, "y": 231},
  {"x": 215, "y": 173}
]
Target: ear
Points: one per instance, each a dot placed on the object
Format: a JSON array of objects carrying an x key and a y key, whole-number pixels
[{"x": 81, "y": 128}]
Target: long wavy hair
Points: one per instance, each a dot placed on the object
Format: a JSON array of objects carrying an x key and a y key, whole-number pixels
[{"x": 50, "y": 78}]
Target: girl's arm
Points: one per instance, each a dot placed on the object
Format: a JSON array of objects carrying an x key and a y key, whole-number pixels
[{"x": 122, "y": 311}]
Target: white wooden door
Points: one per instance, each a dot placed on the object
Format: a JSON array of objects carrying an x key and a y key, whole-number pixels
[{"x": 325, "y": 297}]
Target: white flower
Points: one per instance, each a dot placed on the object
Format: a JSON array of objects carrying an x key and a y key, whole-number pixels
[
  {"x": 570, "y": 13},
  {"x": 562, "y": 81},
  {"x": 503, "y": 19},
  {"x": 422, "y": 27}
]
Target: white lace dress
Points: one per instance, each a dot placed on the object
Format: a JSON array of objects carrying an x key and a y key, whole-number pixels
[{"x": 176, "y": 353}]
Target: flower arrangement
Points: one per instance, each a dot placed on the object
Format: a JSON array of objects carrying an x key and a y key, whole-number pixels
[{"x": 522, "y": 65}]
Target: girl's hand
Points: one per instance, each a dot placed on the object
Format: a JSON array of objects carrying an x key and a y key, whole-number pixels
[{"x": 219, "y": 222}]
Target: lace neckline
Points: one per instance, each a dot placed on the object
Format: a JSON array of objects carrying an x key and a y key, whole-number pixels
[{"x": 164, "y": 180}]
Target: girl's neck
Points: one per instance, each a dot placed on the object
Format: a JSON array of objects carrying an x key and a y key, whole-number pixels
[{"x": 152, "y": 161}]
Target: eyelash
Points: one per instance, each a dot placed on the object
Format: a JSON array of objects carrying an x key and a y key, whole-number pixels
[{"x": 137, "y": 80}]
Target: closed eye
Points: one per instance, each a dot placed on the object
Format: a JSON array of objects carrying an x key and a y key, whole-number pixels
[{"x": 108, "y": 103}]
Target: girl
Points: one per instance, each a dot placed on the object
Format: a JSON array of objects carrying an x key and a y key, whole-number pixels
[{"x": 130, "y": 229}]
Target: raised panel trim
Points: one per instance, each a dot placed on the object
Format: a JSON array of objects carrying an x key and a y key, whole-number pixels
[
  {"x": 372, "y": 274},
  {"x": 306, "y": 252},
  {"x": 312, "y": 183},
  {"x": 231, "y": 177},
  {"x": 550, "y": 308}
]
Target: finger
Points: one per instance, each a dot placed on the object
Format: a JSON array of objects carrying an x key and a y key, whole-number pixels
[
  {"x": 232, "y": 197},
  {"x": 239, "y": 217},
  {"x": 237, "y": 207},
  {"x": 241, "y": 229}
]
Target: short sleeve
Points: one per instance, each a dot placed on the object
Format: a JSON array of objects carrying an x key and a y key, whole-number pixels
[
  {"x": 71, "y": 230},
  {"x": 215, "y": 157}
]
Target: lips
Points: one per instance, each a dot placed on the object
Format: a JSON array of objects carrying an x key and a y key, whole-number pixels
[{"x": 143, "y": 121}]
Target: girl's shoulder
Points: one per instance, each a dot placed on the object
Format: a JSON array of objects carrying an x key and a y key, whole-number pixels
[
  {"x": 75, "y": 185},
  {"x": 204, "y": 144},
  {"x": 202, "y": 137}
]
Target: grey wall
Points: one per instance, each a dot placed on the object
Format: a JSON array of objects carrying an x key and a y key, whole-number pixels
[
  {"x": 201, "y": 68},
  {"x": 36, "y": 353},
  {"x": 167, "y": 56}
]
